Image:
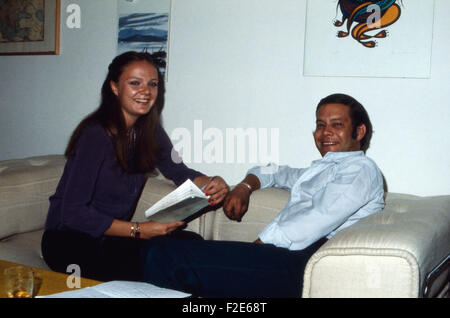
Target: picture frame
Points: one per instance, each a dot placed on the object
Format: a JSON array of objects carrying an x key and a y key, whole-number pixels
[{"x": 39, "y": 21}]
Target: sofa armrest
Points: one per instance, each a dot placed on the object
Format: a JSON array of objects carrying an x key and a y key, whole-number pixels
[
  {"x": 387, "y": 254},
  {"x": 25, "y": 186}
]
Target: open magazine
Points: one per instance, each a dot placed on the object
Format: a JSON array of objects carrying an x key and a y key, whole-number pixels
[{"x": 179, "y": 204}]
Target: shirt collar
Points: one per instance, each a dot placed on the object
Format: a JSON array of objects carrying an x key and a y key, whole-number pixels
[{"x": 339, "y": 156}]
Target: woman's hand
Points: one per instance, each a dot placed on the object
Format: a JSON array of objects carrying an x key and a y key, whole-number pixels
[
  {"x": 147, "y": 229},
  {"x": 217, "y": 189},
  {"x": 151, "y": 228}
]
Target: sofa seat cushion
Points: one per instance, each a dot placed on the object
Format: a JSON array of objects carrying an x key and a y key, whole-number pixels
[
  {"x": 387, "y": 254},
  {"x": 25, "y": 186},
  {"x": 24, "y": 249}
]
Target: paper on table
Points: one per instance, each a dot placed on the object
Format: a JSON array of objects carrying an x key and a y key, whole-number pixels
[{"x": 120, "y": 289}]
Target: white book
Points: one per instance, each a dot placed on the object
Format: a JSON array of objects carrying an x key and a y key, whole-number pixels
[
  {"x": 120, "y": 289},
  {"x": 179, "y": 204}
]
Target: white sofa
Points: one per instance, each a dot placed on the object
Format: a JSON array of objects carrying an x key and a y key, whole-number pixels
[{"x": 402, "y": 251}]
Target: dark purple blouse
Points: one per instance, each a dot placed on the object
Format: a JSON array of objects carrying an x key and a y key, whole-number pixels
[{"x": 94, "y": 189}]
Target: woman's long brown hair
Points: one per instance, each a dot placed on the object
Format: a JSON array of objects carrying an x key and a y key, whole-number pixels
[{"x": 109, "y": 115}]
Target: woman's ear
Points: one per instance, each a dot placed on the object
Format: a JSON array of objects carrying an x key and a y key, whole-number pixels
[{"x": 114, "y": 88}]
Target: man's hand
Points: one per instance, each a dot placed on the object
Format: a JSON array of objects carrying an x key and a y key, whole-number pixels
[{"x": 236, "y": 203}]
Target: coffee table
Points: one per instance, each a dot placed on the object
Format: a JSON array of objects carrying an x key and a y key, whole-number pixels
[{"x": 46, "y": 282}]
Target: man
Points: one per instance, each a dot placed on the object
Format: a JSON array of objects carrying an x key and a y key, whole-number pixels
[{"x": 333, "y": 193}]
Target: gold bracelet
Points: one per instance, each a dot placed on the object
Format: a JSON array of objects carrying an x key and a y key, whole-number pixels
[
  {"x": 132, "y": 231},
  {"x": 138, "y": 230}
]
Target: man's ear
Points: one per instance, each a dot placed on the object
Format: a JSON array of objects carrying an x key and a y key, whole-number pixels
[
  {"x": 114, "y": 88},
  {"x": 360, "y": 132}
]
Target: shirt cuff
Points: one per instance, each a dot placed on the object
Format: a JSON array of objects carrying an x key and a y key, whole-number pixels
[
  {"x": 272, "y": 234},
  {"x": 264, "y": 174}
]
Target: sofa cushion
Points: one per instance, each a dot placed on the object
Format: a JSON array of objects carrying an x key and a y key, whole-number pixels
[
  {"x": 387, "y": 254},
  {"x": 23, "y": 248},
  {"x": 264, "y": 205},
  {"x": 25, "y": 186}
]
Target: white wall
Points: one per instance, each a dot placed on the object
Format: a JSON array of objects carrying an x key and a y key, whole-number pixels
[
  {"x": 42, "y": 98},
  {"x": 234, "y": 63}
]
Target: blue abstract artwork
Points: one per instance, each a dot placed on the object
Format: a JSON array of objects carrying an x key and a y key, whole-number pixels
[{"x": 145, "y": 32}]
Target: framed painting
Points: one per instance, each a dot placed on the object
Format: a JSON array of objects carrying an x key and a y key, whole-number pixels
[{"x": 29, "y": 27}]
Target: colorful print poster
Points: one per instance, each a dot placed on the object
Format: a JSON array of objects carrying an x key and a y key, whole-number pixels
[{"x": 384, "y": 38}]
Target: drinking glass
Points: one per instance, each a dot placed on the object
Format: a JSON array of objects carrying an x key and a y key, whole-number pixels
[{"x": 19, "y": 282}]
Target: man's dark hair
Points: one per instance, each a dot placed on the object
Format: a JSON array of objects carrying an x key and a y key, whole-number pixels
[{"x": 357, "y": 112}]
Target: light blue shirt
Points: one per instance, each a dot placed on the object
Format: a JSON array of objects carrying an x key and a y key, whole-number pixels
[{"x": 330, "y": 195}]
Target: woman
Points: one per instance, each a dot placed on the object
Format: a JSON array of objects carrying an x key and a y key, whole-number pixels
[{"x": 109, "y": 156}]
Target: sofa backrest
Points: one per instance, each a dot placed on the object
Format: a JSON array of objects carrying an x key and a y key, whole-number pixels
[{"x": 264, "y": 205}]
